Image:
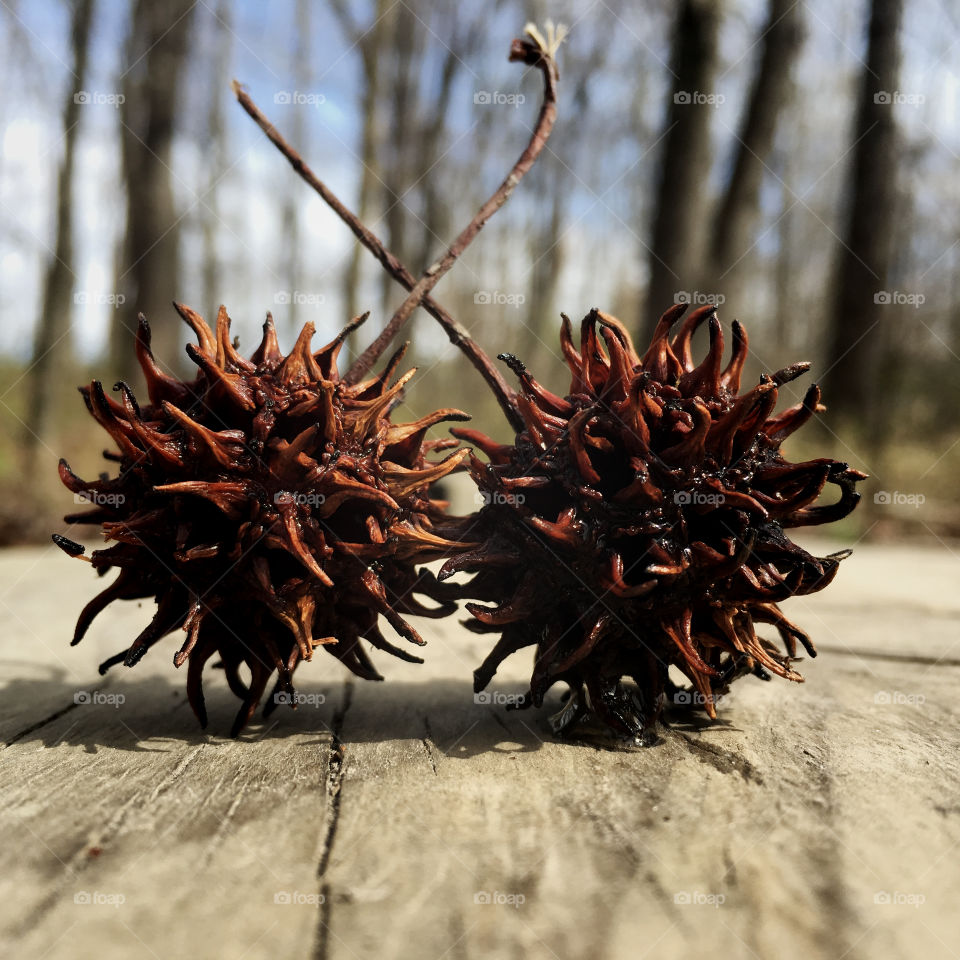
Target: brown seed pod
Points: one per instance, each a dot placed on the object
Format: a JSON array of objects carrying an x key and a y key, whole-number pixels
[
  {"x": 268, "y": 507},
  {"x": 639, "y": 522}
]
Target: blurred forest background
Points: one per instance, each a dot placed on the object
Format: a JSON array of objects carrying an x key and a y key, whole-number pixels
[{"x": 797, "y": 162}]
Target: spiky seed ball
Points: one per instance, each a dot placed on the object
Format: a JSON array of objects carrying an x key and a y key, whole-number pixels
[
  {"x": 268, "y": 507},
  {"x": 640, "y": 522}
]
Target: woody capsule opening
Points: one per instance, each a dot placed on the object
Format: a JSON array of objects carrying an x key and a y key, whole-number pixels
[
  {"x": 268, "y": 507},
  {"x": 640, "y": 522}
]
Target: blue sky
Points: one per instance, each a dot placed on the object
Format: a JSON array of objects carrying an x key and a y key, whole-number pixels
[{"x": 36, "y": 81}]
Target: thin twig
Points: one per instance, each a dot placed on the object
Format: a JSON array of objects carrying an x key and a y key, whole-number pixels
[
  {"x": 532, "y": 53},
  {"x": 457, "y": 334},
  {"x": 528, "y": 51}
]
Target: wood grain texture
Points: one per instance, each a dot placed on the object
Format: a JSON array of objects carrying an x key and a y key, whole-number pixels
[{"x": 819, "y": 820}]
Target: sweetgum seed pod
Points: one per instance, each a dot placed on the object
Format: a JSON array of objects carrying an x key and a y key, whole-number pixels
[
  {"x": 268, "y": 508},
  {"x": 640, "y": 523}
]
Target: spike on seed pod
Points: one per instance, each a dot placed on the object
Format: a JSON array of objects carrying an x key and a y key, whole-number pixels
[
  {"x": 640, "y": 523},
  {"x": 268, "y": 507}
]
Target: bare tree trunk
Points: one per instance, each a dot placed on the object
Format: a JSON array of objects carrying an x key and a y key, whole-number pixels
[
  {"x": 52, "y": 343},
  {"x": 737, "y": 213},
  {"x": 783, "y": 328},
  {"x": 428, "y": 150},
  {"x": 863, "y": 264},
  {"x": 370, "y": 42},
  {"x": 217, "y": 156},
  {"x": 156, "y": 57},
  {"x": 546, "y": 257},
  {"x": 15, "y": 42},
  {"x": 678, "y": 227},
  {"x": 402, "y": 131},
  {"x": 302, "y": 75}
]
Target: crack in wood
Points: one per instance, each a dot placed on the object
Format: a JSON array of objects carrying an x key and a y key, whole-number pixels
[
  {"x": 427, "y": 741},
  {"x": 918, "y": 659},
  {"x": 335, "y": 771},
  {"x": 726, "y": 761}
]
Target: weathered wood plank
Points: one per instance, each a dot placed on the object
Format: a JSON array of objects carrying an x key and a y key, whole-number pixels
[
  {"x": 798, "y": 809},
  {"x": 389, "y": 810},
  {"x": 196, "y": 835}
]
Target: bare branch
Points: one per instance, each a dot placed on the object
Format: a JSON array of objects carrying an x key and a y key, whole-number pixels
[
  {"x": 457, "y": 334},
  {"x": 532, "y": 53}
]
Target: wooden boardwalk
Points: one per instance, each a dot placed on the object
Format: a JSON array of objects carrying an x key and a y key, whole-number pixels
[{"x": 403, "y": 819}]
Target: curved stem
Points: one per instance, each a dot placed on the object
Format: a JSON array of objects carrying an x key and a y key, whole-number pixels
[
  {"x": 456, "y": 333},
  {"x": 526, "y": 51}
]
